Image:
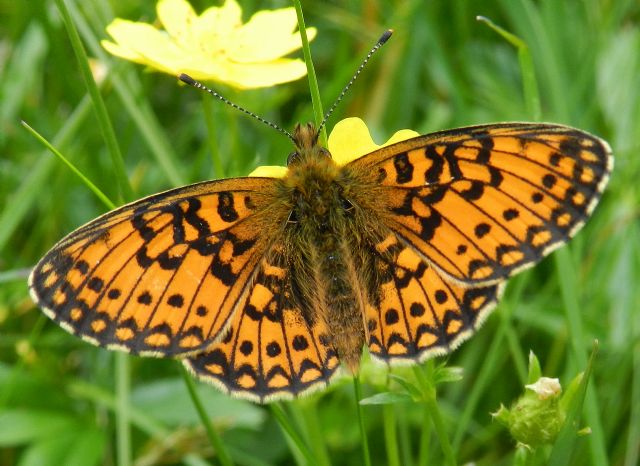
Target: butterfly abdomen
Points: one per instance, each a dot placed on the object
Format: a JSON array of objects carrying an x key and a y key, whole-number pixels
[{"x": 326, "y": 282}]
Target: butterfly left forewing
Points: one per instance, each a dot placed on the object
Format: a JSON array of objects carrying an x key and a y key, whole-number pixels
[
  {"x": 163, "y": 275},
  {"x": 481, "y": 203}
]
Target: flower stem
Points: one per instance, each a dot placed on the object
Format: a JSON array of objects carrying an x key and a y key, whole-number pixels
[{"x": 318, "y": 113}]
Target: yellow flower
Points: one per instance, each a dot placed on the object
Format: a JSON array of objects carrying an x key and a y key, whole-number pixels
[
  {"x": 349, "y": 140},
  {"x": 214, "y": 46}
]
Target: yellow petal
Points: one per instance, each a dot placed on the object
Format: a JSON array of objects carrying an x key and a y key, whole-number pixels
[
  {"x": 269, "y": 171},
  {"x": 267, "y": 36},
  {"x": 177, "y": 17},
  {"x": 215, "y": 27},
  {"x": 121, "y": 51},
  {"x": 247, "y": 76},
  {"x": 201, "y": 45},
  {"x": 350, "y": 139}
]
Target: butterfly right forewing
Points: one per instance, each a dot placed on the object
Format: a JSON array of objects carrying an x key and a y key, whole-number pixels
[{"x": 483, "y": 202}]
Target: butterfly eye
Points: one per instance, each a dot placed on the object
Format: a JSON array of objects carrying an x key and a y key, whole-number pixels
[
  {"x": 292, "y": 158},
  {"x": 346, "y": 204},
  {"x": 293, "y": 217}
]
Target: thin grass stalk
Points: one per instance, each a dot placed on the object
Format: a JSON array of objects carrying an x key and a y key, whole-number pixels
[
  {"x": 318, "y": 113},
  {"x": 425, "y": 439},
  {"x": 99, "y": 194},
  {"x": 632, "y": 454},
  {"x": 568, "y": 286},
  {"x": 527, "y": 70},
  {"x": 123, "y": 428},
  {"x": 482, "y": 380},
  {"x": 364, "y": 441},
  {"x": 214, "y": 438},
  {"x": 404, "y": 437},
  {"x": 390, "y": 434},
  {"x": 293, "y": 435},
  {"x": 433, "y": 409},
  {"x": 123, "y": 393},
  {"x": 313, "y": 427},
  {"x": 31, "y": 188},
  {"x": 124, "y": 188},
  {"x": 139, "y": 419},
  {"x": 138, "y": 109}
]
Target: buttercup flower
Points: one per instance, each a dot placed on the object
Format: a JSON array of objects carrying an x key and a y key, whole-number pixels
[
  {"x": 349, "y": 140},
  {"x": 214, "y": 46}
]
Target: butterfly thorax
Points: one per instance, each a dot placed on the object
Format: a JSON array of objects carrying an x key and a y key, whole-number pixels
[{"x": 319, "y": 235}]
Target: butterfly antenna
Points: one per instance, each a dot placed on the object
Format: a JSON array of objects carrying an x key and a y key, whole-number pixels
[
  {"x": 383, "y": 38},
  {"x": 185, "y": 78}
]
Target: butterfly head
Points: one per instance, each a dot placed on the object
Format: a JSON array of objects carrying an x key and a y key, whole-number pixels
[{"x": 305, "y": 138}]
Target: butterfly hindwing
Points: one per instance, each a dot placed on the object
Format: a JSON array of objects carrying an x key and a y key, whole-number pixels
[
  {"x": 162, "y": 275},
  {"x": 483, "y": 202},
  {"x": 418, "y": 314},
  {"x": 270, "y": 351}
]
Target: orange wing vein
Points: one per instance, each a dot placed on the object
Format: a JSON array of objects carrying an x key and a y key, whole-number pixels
[
  {"x": 483, "y": 202},
  {"x": 270, "y": 351},
  {"x": 163, "y": 275}
]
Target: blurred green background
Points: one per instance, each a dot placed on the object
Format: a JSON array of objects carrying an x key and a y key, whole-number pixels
[{"x": 441, "y": 69}]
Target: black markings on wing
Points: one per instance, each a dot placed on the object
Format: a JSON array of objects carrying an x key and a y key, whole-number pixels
[
  {"x": 270, "y": 351},
  {"x": 505, "y": 195},
  {"x": 161, "y": 276},
  {"x": 418, "y": 314}
]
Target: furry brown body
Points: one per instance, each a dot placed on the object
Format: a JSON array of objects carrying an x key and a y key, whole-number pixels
[{"x": 325, "y": 246}]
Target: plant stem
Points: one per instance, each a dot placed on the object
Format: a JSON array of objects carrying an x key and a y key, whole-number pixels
[
  {"x": 214, "y": 438},
  {"x": 434, "y": 411},
  {"x": 123, "y": 427},
  {"x": 294, "y": 436},
  {"x": 124, "y": 188},
  {"x": 366, "y": 456}
]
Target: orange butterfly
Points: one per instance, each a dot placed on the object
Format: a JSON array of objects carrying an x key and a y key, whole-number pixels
[{"x": 263, "y": 285}]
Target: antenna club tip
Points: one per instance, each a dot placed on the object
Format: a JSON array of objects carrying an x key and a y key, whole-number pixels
[
  {"x": 385, "y": 36},
  {"x": 185, "y": 78}
]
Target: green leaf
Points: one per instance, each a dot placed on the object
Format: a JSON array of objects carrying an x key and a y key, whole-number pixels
[
  {"x": 446, "y": 374},
  {"x": 168, "y": 401},
  {"x": 564, "y": 446},
  {"x": 386, "y": 398},
  {"x": 20, "y": 426},
  {"x": 74, "y": 447},
  {"x": 534, "y": 368},
  {"x": 411, "y": 388}
]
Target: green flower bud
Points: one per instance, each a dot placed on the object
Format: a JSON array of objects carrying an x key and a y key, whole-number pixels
[{"x": 537, "y": 417}]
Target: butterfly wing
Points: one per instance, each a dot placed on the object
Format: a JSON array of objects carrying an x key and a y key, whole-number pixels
[
  {"x": 163, "y": 275},
  {"x": 483, "y": 202},
  {"x": 270, "y": 351},
  {"x": 417, "y": 313}
]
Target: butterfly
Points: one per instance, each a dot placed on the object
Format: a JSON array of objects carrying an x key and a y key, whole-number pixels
[{"x": 264, "y": 286}]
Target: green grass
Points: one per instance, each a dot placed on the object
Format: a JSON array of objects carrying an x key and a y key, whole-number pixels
[{"x": 63, "y": 401}]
